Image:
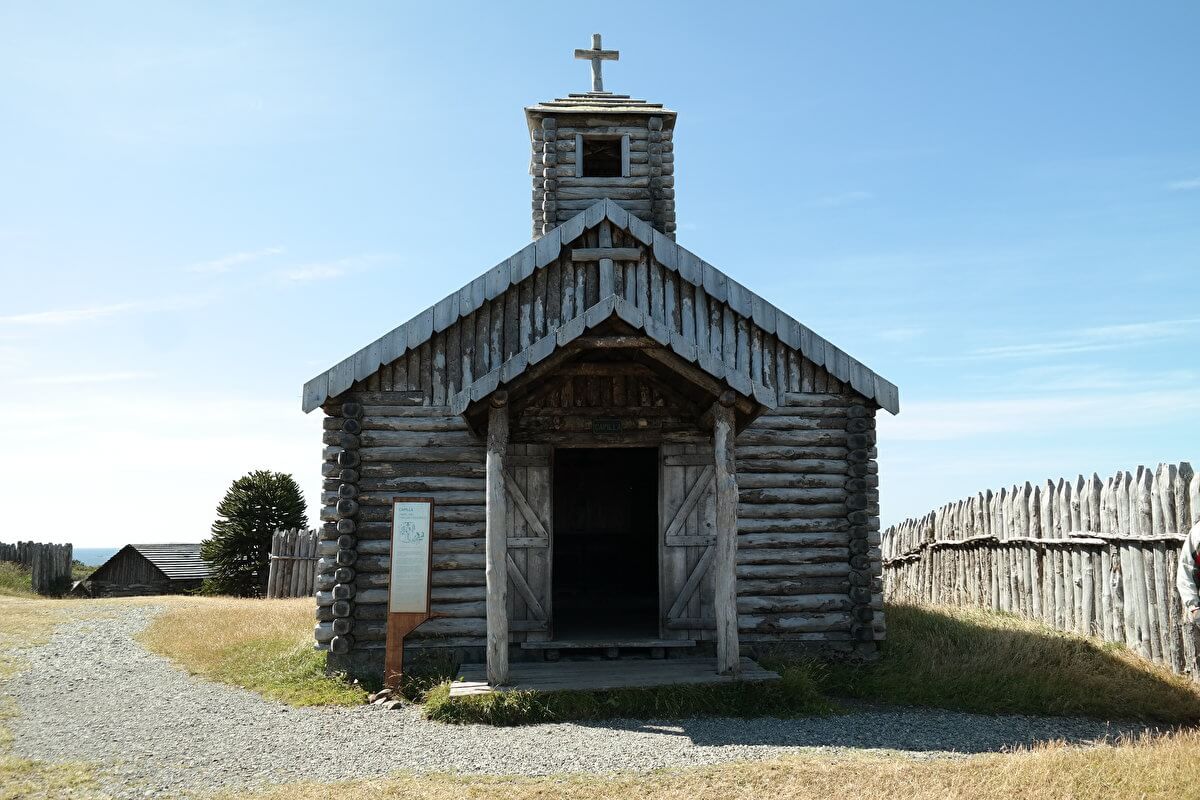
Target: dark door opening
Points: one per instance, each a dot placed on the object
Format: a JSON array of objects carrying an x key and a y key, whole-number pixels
[{"x": 605, "y": 543}]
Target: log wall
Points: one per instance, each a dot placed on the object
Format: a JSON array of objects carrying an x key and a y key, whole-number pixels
[
  {"x": 808, "y": 559},
  {"x": 1094, "y": 557}
]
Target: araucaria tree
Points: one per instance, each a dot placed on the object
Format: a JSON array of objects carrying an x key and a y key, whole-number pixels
[{"x": 240, "y": 547}]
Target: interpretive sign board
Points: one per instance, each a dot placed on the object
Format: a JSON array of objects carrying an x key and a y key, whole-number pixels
[{"x": 408, "y": 587}]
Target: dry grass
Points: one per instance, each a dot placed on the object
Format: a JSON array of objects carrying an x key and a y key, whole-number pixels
[
  {"x": 997, "y": 663},
  {"x": 263, "y": 645},
  {"x": 1166, "y": 767}
]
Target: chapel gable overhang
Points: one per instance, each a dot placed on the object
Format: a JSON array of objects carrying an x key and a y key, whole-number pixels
[
  {"x": 615, "y": 329},
  {"x": 711, "y": 286}
]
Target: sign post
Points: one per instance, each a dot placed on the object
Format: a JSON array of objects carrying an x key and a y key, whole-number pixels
[{"x": 409, "y": 587}]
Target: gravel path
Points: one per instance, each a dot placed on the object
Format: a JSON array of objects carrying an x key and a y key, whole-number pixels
[{"x": 92, "y": 693}]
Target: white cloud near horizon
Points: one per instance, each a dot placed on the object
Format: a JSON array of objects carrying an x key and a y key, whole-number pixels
[
  {"x": 1184, "y": 185},
  {"x": 229, "y": 262},
  {"x": 180, "y": 449}
]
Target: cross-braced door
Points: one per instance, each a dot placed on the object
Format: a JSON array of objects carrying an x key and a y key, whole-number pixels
[
  {"x": 688, "y": 520},
  {"x": 528, "y": 481}
]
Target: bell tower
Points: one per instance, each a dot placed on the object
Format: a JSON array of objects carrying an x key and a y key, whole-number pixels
[{"x": 595, "y": 145}]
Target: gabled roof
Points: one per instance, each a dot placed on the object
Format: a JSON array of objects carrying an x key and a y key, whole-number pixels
[
  {"x": 539, "y": 254},
  {"x": 179, "y": 562}
]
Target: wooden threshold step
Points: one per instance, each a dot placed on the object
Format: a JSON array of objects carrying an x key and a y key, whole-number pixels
[{"x": 594, "y": 644}]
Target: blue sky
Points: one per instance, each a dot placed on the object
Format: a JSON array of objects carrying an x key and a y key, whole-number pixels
[{"x": 203, "y": 205}]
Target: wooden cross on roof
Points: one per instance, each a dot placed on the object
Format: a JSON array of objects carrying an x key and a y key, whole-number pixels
[{"x": 597, "y": 56}]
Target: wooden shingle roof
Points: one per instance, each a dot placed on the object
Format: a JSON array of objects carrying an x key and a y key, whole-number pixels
[
  {"x": 707, "y": 279},
  {"x": 179, "y": 562}
]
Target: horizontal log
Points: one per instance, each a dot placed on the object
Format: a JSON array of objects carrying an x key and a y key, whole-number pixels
[
  {"x": 792, "y": 571},
  {"x": 410, "y": 398},
  {"x": 449, "y": 626},
  {"x": 420, "y": 470},
  {"x": 379, "y": 410},
  {"x": 792, "y": 511},
  {"x": 806, "y": 412},
  {"x": 466, "y": 455},
  {"x": 424, "y": 484},
  {"x": 431, "y": 439},
  {"x": 473, "y": 608},
  {"x": 754, "y": 587},
  {"x": 746, "y": 525},
  {"x": 794, "y": 623},
  {"x": 779, "y": 422},
  {"x": 414, "y": 424},
  {"x": 789, "y": 495},
  {"x": 792, "y": 604},
  {"x": 758, "y": 452},
  {"x": 782, "y": 480},
  {"x": 460, "y": 577},
  {"x": 808, "y": 555},
  {"x": 788, "y": 539},
  {"x": 790, "y": 465},
  {"x": 458, "y": 594},
  {"x": 822, "y": 437}
]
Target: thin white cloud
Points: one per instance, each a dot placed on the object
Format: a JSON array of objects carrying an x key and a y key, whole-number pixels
[
  {"x": 84, "y": 378},
  {"x": 229, "y": 262},
  {"x": 1184, "y": 186},
  {"x": 328, "y": 270},
  {"x": 1091, "y": 340},
  {"x": 67, "y": 316},
  {"x": 841, "y": 199}
]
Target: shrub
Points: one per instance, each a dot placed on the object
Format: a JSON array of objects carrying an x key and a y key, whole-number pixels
[{"x": 240, "y": 547}]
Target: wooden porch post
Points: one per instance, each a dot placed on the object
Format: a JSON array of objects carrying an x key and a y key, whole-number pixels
[
  {"x": 496, "y": 568},
  {"x": 725, "y": 561}
]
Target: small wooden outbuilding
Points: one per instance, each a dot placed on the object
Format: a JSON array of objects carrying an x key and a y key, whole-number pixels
[
  {"x": 627, "y": 449},
  {"x": 142, "y": 569}
]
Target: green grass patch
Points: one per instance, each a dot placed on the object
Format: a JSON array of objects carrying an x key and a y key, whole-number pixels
[
  {"x": 15, "y": 580},
  {"x": 992, "y": 663},
  {"x": 795, "y": 694},
  {"x": 261, "y": 645},
  {"x": 284, "y": 670}
]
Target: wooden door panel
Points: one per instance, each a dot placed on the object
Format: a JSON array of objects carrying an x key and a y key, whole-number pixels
[
  {"x": 687, "y": 518},
  {"x": 528, "y": 484}
]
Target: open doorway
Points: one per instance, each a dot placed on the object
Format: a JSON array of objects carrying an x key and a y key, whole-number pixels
[{"x": 605, "y": 543}]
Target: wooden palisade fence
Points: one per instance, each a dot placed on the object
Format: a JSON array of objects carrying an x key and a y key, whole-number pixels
[
  {"x": 49, "y": 564},
  {"x": 293, "y": 563},
  {"x": 1097, "y": 557}
]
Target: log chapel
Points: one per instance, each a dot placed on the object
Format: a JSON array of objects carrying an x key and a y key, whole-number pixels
[{"x": 629, "y": 453}]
